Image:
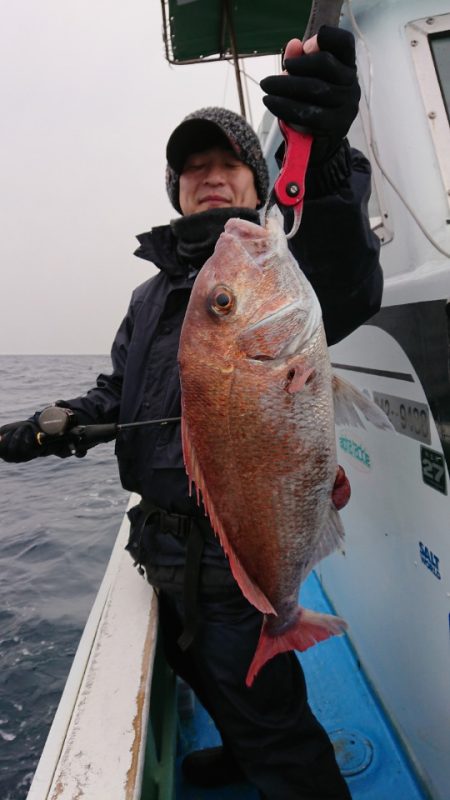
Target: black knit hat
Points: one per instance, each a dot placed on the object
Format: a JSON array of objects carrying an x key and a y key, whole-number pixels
[{"x": 210, "y": 127}]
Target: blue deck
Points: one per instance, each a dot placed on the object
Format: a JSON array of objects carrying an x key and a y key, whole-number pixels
[{"x": 367, "y": 750}]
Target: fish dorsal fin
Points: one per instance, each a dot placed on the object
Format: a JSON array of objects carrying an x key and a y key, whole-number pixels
[
  {"x": 348, "y": 401},
  {"x": 248, "y": 587}
]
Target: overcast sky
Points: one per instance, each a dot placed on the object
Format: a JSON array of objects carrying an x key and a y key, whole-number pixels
[{"x": 88, "y": 102}]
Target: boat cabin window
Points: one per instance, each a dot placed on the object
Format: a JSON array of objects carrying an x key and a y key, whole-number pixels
[
  {"x": 440, "y": 49},
  {"x": 429, "y": 41}
]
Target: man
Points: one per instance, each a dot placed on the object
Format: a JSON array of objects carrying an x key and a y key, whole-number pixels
[{"x": 215, "y": 171}]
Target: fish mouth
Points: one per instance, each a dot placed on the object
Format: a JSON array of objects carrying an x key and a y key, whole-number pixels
[{"x": 252, "y": 241}]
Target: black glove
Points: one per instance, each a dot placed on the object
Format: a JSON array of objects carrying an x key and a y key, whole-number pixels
[
  {"x": 20, "y": 442},
  {"x": 321, "y": 92}
]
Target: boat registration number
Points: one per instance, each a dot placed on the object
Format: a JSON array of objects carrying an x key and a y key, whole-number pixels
[{"x": 407, "y": 416}]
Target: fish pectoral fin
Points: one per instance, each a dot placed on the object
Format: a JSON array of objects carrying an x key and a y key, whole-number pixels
[
  {"x": 249, "y": 588},
  {"x": 350, "y": 404}
]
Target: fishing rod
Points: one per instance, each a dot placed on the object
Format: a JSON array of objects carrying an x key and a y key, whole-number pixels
[{"x": 57, "y": 421}]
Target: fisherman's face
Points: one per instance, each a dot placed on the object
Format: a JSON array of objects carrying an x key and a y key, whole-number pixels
[{"x": 216, "y": 178}]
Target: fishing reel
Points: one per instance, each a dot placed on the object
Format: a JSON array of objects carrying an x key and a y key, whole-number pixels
[
  {"x": 55, "y": 421},
  {"x": 59, "y": 421}
]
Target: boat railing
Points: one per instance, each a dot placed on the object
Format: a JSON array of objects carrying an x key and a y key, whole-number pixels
[{"x": 113, "y": 735}]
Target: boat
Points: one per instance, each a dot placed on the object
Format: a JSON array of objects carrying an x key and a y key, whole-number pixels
[{"x": 383, "y": 692}]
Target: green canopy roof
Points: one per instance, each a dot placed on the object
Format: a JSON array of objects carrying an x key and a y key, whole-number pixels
[{"x": 198, "y": 30}]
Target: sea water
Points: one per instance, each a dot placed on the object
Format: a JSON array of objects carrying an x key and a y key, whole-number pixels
[{"x": 58, "y": 523}]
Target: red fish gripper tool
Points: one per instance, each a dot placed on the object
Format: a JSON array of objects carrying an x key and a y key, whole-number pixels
[{"x": 289, "y": 188}]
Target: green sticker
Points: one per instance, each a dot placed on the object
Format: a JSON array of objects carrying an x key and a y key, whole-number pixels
[{"x": 433, "y": 469}]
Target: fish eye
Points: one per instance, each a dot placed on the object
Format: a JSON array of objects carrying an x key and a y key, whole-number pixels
[{"x": 221, "y": 300}]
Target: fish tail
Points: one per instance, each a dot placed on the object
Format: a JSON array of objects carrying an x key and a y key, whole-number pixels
[{"x": 309, "y": 628}]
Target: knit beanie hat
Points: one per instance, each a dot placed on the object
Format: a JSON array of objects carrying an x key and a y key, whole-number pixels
[{"x": 212, "y": 127}]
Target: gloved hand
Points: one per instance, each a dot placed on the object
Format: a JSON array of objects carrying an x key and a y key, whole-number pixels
[
  {"x": 20, "y": 443},
  {"x": 320, "y": 91}
]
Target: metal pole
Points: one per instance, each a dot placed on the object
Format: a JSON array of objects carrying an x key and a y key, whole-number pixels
[
  {"x": 323, "y": 12},
  {"x": 237, "y": 72}
]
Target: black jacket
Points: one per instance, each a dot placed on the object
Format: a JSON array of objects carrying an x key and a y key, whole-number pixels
[{"x": 338, "y": 253}]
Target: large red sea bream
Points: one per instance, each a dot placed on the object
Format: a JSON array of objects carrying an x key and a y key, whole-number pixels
[{"x": 258, "y": 414}]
